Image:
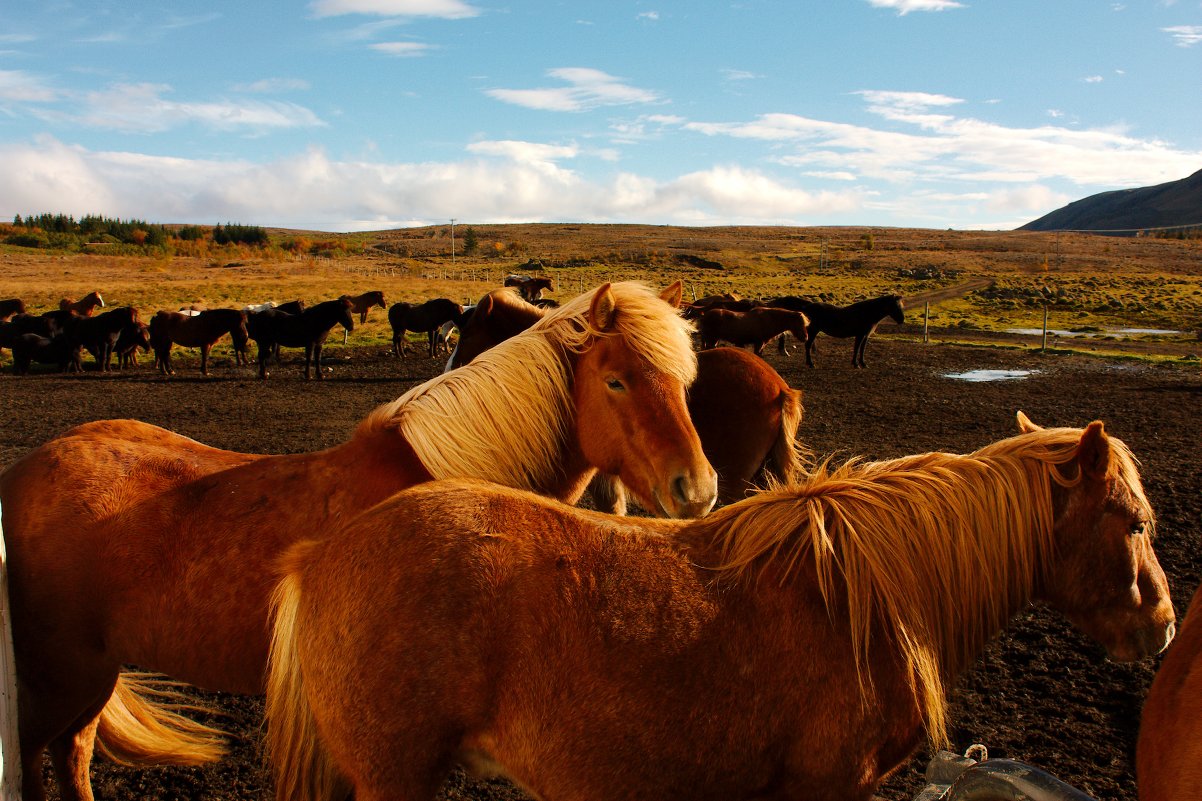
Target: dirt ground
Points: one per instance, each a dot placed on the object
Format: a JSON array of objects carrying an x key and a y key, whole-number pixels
[{"x": 1042, "y": 693}]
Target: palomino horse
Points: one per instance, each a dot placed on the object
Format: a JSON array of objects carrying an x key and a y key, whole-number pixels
[
  {"x": 84, "y": 306},
  {"x": 755, "y": 327},
  {"x": 422, "y": 318},
  {"x": 201, "y": 330},
  {"x": 164, "y": 553},
  {"x": 1168, "y": 758},
  {"x": 858, "y": 320},
  {"x": 793, "y": 645},
  {"x": 745, "y": 414},
  {"x": 361, "y": 305},
  {"x": 309, "y": 330}
]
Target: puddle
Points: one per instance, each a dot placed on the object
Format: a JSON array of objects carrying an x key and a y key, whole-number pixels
[
  {"x": 1118, "y": 333},
  {"x": 990, "y": 375}
]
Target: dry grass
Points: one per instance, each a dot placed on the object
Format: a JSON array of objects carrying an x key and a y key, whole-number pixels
[{"x": 1090, "y": 281}]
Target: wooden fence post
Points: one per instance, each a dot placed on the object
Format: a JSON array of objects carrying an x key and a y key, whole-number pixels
[
  {"x": 926, "y": 320},
  {"x": 1044, "y": 347},
  {"x": 10, "y": 751}
]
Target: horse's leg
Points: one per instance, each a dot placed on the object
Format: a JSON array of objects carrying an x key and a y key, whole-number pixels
[
  {"x": 346, "y": 334},
  {"x": 317, "y": 359},
  {"x": 204, "y": 358},
  {"x": 264, "y": 355},
  {"x": 609, "y": 495},
  {"x": 810, "y": 350},
  {"x": 857, "y": 357},
  {"x": 782, "y": 347},
  {"x": 430, "y": 338},
  {"x": 309, "y": 361},
  {"x": 758, "y": 348}
]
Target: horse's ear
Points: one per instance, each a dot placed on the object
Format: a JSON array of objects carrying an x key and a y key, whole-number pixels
[
  {"x": 673, "y": 294},
  {"x": 484, "y": 307},
  {"x": 1093, "y": 451},
  {"x": 603, "y": 309},
  {"x": 1025, "y": 426}
]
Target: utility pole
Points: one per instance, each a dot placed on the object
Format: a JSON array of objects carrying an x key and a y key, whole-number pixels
[{"x": 452, "y": 241}]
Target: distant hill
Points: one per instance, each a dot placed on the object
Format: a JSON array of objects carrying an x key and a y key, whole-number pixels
[{"x": 1172, "y": 204}]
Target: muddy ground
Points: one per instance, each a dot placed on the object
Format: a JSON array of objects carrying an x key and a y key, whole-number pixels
[{"x": 1042, "y": 693}]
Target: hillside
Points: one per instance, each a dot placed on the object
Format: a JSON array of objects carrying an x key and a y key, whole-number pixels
[{"x": 1177, "y": 203}]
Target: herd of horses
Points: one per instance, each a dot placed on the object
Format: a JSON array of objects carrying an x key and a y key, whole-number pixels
[{"x": 434, "y": 597}]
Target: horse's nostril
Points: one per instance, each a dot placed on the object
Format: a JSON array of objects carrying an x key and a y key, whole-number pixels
[{"x": 680, "y": 489}]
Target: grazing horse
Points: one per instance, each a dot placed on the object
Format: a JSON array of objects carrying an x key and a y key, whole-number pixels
[
  {"x": 857, "y": 320},
  {"x": 531, "y": 289},
  {"x": 361, "y": 304},
  {"x": 10, "y": 307},
  {"x": 793, "y": 645},
  {"x": 309, "y": 330},
  {"x": 167, "y": 559},
  {"x": 132, "y": 339},
  {"x": 423, "y": 318},
  {"x": 58, "y": 350},
  {"x": 84, "y": 306},
  {"x": 99, "y": 334},
  {"x": 1168, "y": 758},
  {"x": 200, "y": 331},
  {"x": 755, "y": 327},
  {"x": 745, "y": 414}
]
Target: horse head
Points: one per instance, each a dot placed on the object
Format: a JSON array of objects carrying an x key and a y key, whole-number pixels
[
  {"x": 1106, "y": 579},
  {"x": 897, "y": 309}
]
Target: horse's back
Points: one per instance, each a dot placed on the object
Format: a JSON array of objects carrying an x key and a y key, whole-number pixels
[{"x": 1169, "y": 754}]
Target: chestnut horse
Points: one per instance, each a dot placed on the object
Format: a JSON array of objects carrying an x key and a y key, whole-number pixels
[
  {"x": 201, "y": 330},
  {"x": 755, "y": 327},
  {"x": 361, "y": 305},
  {"x": 531, "y": 289},
  {"x": 162, "y": 555},
  {"x": 84, "y": 306},
  {"x": 745, "y": 414},
  {"x": 1168, "y": 758},
  {"x": 857, "y": 320},
  {"x": 794, "y": 645}
]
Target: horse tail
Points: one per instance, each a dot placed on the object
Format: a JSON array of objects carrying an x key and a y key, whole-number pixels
[
  {"x": 141, "y": 725},
  {"x": 304, "y": 770},
  {"x": 788, "y": 460}
]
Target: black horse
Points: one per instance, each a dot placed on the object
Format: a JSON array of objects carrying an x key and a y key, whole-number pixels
[
  {"x": 10, "y": 307},
  {"x": 99, "y": 334},
  {"x": 58, "y": 350},
  {"x": 422, "y": 317},
  {"x": 856, "y": 320},
  {"x": 308, "y": 329}
]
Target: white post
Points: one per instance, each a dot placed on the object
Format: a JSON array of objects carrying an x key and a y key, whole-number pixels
[
  {"x": 10, "y": 750},
  {"x": 926, "y": 320},
  {"x": 1044, "y": 347}
]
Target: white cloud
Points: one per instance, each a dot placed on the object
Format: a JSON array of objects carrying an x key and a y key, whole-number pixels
[
  {"x": 310, "y": 190},
  {"x": 1185, "y": 35},
  {"x": 20, "y": 86},
  {"x": 141, "y": 108},
  {"x": 587, "y": 89},
  {"x": 906, "y": 6},
  {"x": 403, "y": 49},
  {"x": 269, "y": 86},
  {"x": 738, "y": 75},
  {"x": 651, "y": 15},
  {"x": 1092, "y": 79},
  {"x": 445, "y": 9}
]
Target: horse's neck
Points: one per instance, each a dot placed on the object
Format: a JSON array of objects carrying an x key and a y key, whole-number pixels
[{"x": 373, "y": 466}]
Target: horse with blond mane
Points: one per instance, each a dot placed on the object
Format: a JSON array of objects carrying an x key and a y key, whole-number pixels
[
  {"x": 165, "y": 557},
  {"x": 84, "y": 306},
  {"x": 793, "y": 645},
  {"x": 745, "y": 414}
]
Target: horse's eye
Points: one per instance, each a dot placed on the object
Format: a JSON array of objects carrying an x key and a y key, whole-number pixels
[
  {"x": 1139, "y": 527},
  {"x": 615, "y": 385}
]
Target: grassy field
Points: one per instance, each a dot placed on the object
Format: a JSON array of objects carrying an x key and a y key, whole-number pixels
[{"x": 980, "y": 282}]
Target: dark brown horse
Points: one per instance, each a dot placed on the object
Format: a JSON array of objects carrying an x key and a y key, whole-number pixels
[
  {"x": 10, "y": 307},
  {"x": 272, "y": 329},
  {"x": 202, "y": 331},
  {"x": 857, "y": 320},
  {"x": 1168, "y": 759},
  {"x": 798, "y": 644},
  {"x": 59, "y": 350},
  {"x": 531, "y": 289},
  {"x": 84, "y": 306},
  {"x": 99, "y": 334},
  {"x": 755, "y": 327},
  {"x": 361, "y": 304},
  {"x": 133, "y": 338},
  {"x": 745, "y": 414},
  {"x": 421, "y": 318},
  {"x": 163, "y": 552}
]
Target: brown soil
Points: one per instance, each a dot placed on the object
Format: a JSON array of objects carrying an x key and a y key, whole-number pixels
[{"x": 1041, "y": 693}]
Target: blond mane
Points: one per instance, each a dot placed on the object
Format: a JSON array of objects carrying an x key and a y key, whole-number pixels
[
  {"x": 937, "y": 549},
  {"x": 507, "y": 416}
]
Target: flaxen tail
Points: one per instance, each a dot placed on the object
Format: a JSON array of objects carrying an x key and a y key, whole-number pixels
[
  {"x": 303, "y": 768},
  {"x": 142, "y": 725},
  {"x": 789, "y": 460}
]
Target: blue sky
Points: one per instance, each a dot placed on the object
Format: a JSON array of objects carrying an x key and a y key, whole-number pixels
[{"x": 344, "y": 115}]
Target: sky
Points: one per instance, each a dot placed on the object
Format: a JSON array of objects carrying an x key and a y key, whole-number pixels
[{"x": 349, "y": 115}]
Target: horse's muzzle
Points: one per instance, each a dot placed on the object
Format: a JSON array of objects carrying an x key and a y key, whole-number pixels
[{"x": 691, "y": 494}]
